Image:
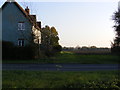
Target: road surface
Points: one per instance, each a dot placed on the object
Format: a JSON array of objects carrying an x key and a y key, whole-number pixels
[{"x": 61, "y": 67}]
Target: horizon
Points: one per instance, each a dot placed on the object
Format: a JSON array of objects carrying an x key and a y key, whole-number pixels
[{"x": 83, "y": 23}]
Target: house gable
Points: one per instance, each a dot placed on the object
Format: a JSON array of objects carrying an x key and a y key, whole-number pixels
[
  {"x": 31, "y": 18},
  {"x": 11, "y": 16},
  {"x": 17, "y": 6}
]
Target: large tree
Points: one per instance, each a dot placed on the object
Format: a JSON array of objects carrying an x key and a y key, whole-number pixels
[
  {"x": 50, "y": 40},
  {"x": 116, "y": 43}
]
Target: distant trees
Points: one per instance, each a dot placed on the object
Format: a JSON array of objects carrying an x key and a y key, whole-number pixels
[
  {"x": 49, "y": 40},
  {"x": 88, "y": 50},
  {"x": 116, "y": 44}
]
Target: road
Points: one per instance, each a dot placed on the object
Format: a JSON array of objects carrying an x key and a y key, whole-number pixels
[{"x": 61, "y": 67}]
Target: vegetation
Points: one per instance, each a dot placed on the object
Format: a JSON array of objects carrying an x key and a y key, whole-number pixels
[
  {"x": 88, "y": 50},
  {"x": 116, "y": 44},
  {"x": 70, "y": 57},
  {"x": 49, "y": 40},
  {"x": 37, "y": 79},
  {"x": 10, "y": 51}
]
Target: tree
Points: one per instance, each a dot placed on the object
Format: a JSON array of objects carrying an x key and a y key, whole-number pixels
[
  {"x": 116, "y": 44},
  {"x": 50, "y": 40},
  {"x": 45, "y": 37},
  {"x": 54, "y": 37}
]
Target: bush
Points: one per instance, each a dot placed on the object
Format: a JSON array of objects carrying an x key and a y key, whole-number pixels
[
  {"x": 9, "y": 51},
  {"x": 50, "y": 50},
  {"x": 115, "y": 50},
  {"x": 57, "y": 48},
  {"x": 54, "y": 50}
]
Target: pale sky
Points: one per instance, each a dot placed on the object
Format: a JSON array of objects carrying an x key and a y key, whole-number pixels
[{"x": 78, "y": 23}]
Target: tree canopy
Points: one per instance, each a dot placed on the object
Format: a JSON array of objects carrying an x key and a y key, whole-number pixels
[
  {"x": 116, "y": 43},
  {"x": 50, "y": 40}
]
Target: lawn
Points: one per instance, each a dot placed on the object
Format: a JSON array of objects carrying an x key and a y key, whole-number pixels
[
  {"x": 69, "y": 57},
  {"x": 40, "y": 79}
]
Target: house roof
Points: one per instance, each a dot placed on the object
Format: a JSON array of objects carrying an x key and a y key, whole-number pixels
[{"x": 31, "y": 18}]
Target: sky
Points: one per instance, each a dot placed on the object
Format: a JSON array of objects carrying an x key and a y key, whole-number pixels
[{"x": 79, "y": 23}]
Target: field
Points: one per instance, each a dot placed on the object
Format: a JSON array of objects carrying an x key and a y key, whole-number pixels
[
  {"x": 69, "y": 57},
  {"x": 37, "y": 79}
]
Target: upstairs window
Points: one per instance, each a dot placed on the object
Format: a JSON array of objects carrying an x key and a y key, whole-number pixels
[
  {"x": 21, "y": 26},
  {"x": 21, "y": 42}
]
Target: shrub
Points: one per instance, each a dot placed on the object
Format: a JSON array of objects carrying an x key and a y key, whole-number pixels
[
  {"x": 9, "y": 51},
  {"x": 57, "y": 48},
  {"x": 115, "y": 50}
]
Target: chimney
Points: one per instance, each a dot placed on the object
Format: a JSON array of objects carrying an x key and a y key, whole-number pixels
[
  {"x": 27, "y": 10},
  {"x": 10, "y": 0}
]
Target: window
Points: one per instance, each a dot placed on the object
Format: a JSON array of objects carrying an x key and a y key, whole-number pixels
[
  {"x": 21, "y": 42},
  {"x": 21, "y": 26}
]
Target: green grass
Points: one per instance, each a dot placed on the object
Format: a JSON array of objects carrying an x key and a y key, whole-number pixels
[
  {"x": 38, "y": 79},
  {"x": 85, "y": 59},
  {"x": 69, "y": 57}
]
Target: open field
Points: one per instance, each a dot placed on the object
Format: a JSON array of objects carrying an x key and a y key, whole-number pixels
[
  {"x": 69, "y": 57},
  {"x": 85, "y": 59},
  {"x": 37, "y": 79}
]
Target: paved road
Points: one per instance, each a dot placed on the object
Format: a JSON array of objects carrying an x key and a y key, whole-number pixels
[{"x": 61, "y": 67}]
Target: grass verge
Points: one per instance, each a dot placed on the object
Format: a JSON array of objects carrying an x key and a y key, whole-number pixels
[{"x": 39, "y": 79}]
